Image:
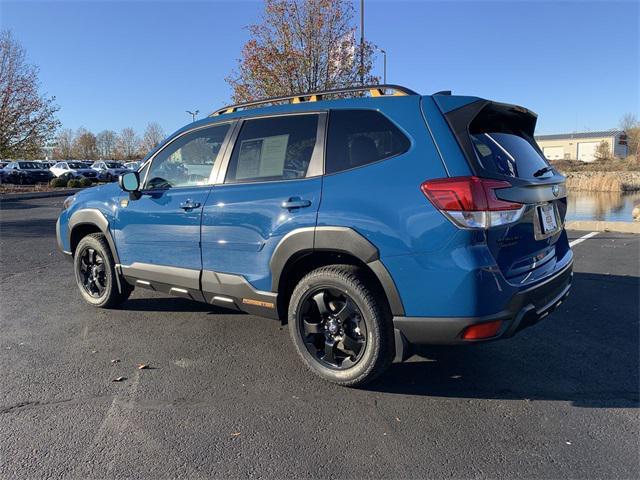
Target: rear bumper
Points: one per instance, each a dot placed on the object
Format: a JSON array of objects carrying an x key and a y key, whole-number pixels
[{"x": 526, "y": 308}]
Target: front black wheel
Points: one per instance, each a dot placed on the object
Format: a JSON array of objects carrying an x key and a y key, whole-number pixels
[
  {"x": 339, "y": 328},
  {"x": 96, "y": 274}
]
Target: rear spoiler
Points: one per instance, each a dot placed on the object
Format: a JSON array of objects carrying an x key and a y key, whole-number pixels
[{"x": 486, "y": 116}]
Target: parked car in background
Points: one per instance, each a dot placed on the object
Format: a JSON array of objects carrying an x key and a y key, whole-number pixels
[
  {"x": 108, "y": 171},
  {"x": 2, "y": 172},
  {"x": 46, "y": 164},
  {"x": 26, "y": 173},
  {"x": 73, "y": 169},
  {"x": 133, "y": 165}
]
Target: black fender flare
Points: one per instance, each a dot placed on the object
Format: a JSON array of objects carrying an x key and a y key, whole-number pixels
[
  {"x": 334, "y": 239},
  {"x": 93, "y": 216}
]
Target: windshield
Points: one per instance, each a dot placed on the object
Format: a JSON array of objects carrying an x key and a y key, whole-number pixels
[
  {"x": 112, "y": 164},
  {"x": 29, "y": 166},
  {"x": 508, "y": 154},
  {"x": 75, "y": 165}
]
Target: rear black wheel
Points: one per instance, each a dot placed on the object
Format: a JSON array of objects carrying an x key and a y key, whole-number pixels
[
  {"x": 339, "y": 328},
  {"x": 96, "y": 274}
]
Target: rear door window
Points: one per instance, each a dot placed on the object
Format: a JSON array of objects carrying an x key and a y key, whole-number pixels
[
  {"x": 360, "y": 137},
  {"x": 275, "y": 148},
  {"x": 508, "y": 154}
]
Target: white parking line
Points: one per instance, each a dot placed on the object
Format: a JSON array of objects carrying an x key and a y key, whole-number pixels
[{"x": 582, "y": 239}]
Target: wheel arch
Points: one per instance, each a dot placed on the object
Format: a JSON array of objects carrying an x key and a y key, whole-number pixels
[
  {"x": 86, "y": 221},
  {"x": 306, "y": 249}
]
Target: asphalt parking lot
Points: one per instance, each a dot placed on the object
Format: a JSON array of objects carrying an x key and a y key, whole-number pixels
[{"x": 227, "y": 397}]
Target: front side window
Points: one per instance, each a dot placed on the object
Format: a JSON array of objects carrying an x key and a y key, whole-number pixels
[
  {"x": 359, "y": 137},
  {"x": 276, "y": 148},
  {"x": 187, "y": 161}
]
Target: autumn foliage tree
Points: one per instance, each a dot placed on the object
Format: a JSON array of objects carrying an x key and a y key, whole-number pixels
[
  {"x": 301, "y": 46},
  {"x": 27, "y": 118}
]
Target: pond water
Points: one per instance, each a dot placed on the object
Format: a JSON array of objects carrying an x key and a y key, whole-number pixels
[{"x": 608, "y": 206}]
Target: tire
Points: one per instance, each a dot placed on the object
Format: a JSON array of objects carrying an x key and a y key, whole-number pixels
[
  {"x": 341, "y": 288},
  {"x": 93, "y": 259}
]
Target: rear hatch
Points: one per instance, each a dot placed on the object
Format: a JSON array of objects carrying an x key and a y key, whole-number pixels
[{"x": 497, "y": 141}]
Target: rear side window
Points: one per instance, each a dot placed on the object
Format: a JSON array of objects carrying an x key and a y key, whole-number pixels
[
  {"x": 275, "y": 148},
  {"x": 508, "y": 154},
  {"x": 360, "y": 137}
]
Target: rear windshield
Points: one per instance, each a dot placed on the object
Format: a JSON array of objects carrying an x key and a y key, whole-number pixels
[{"x": 508, "y": 154}]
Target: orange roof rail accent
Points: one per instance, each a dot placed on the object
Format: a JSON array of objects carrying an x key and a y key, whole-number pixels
[{"x": 373, "y": 90}]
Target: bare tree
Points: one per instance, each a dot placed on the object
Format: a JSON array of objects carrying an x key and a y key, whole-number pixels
[
  {"x": 84, "y": 145},
  {"x": 27, "y": 118},
  {"x": 630, "y": 124},
  {"x": 106, "y": 144},
  {"x": 128, "y": 144},
  {"x": 63, "y": 149},
  {"x": 603, "y": 151},
  {"x": 153, "y": 135},
  {"x": 301, "y": 46}
]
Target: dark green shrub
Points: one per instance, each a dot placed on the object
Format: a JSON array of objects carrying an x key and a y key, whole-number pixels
[
  {"x": 58, "y": 182},
  {"x": 74, "y": 183},
  {"x": 85, "y": 182}
]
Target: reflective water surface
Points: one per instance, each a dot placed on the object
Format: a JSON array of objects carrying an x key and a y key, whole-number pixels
[{"x": 609, "y": 206}]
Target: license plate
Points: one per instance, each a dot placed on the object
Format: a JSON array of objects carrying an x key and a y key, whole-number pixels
[{"x": 547, "y": 217}]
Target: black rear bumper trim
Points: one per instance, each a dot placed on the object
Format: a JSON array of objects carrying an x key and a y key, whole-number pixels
[{"x": 526, "y": 308}]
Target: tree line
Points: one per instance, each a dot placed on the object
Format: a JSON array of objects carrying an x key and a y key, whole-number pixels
[{"x": 107, "y": 144}]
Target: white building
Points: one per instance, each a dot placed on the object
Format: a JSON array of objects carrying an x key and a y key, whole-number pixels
[{"x": 582, "y": 146}]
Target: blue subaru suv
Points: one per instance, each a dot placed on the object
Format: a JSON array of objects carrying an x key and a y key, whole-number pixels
[{"x": 368, "y": 219}]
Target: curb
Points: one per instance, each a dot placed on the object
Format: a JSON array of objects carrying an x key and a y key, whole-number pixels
[
  {"x": 598, "y": 226},
  {"x": 7, "y": 197}
]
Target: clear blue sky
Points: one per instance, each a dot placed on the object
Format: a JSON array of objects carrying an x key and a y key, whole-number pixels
[{"x": 118, "y": 64}]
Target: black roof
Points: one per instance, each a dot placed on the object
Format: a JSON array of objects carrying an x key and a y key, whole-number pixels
[{"x": 561, "y": 136}]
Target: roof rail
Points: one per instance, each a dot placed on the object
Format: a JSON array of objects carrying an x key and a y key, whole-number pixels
[{"x": 374, "y": 91}]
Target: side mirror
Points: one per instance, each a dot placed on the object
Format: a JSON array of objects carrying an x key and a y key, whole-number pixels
[{"x": 130, "y": 182}]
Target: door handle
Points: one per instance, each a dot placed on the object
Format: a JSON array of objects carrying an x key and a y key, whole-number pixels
[
  {"x": 189, "y": 205},
  {"x": 295, "y": 202}
]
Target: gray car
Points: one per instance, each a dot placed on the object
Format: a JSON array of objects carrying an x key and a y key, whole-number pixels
[{"x": 109, "y": 171}]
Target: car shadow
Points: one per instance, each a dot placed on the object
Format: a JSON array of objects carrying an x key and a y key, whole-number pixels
[
  {"x": 174, "y": 304},
  {"x": 586, "y": 353}
]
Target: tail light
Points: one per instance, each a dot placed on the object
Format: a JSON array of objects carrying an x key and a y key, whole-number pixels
[{"x": 471, "y": 202}]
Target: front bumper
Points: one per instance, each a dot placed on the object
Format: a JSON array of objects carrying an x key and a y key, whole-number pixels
[
  {"x": 526, "y": 308},
  {"x": 66, "y": 253}
]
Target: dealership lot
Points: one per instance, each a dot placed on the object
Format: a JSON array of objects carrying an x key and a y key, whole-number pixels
[{"x": 226, "y": 396}]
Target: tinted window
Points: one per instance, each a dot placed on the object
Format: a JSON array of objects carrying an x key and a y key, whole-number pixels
[
  {"x": 508, "y": 154},
  {"x": 187, "y": 161},
  {"x": 29, "y": 165},
  {"x": 359, "y": 137},
  {"x": 276, "y": 148}
]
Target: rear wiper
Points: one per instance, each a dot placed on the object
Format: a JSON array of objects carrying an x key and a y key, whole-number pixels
[{"x": 542, "y": 171}]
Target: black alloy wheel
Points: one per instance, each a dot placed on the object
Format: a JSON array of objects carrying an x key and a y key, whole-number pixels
[
  {"x": 333, "y": 327},
  {"x": 93, "y": 273}
]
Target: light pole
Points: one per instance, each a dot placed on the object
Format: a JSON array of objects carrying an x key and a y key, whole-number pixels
[
  {"x": 362, "y": 42},
  {"x": 384, "y": 68},
  {"x": 193, "y": 114}
]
